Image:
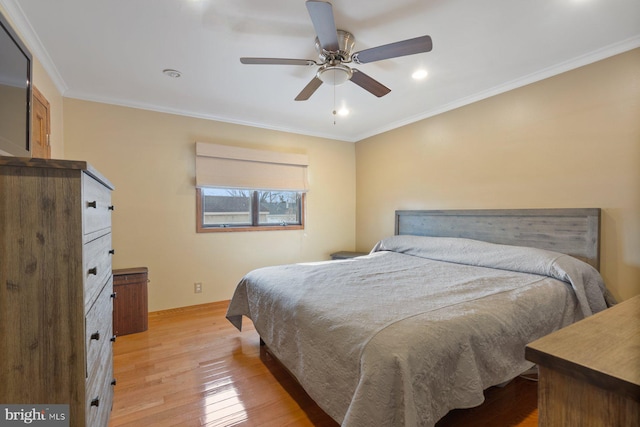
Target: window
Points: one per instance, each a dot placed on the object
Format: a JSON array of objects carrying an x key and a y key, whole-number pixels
[
  {"x": 227, "y": 209},
  {"x": 230, "y": 182}
]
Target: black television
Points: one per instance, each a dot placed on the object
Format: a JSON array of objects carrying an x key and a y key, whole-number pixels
[{"x": 15, "y": 93}]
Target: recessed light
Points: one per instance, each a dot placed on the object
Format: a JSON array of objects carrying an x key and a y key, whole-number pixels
[
  {"x": 172, "y": 73},
  {"x": 420, "y": 74}
]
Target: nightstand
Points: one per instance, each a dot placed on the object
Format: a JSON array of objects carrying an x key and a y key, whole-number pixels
[
  {"x": 347, "y": 254},
  {"x": 589, "y": 372}
]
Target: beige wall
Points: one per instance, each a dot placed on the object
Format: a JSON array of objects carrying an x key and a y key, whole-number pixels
[
  {"x": 569, "y": 141},
  {"x": 149, "y": 157}
]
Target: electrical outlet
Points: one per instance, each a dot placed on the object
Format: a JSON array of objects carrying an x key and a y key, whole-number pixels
[{"x": 197, "y": 288}]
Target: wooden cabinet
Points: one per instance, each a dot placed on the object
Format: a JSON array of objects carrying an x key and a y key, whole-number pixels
[
  {"x": 589, "y": 372},
  {"x": 130, "y": 307},
  {"x": 56, "y": 287}
]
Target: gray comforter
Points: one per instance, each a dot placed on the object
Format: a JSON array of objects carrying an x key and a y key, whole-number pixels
[{"x": 416, "y": 328}]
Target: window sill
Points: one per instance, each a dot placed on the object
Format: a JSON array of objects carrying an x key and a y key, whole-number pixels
[{"x": 248, "y": 228}]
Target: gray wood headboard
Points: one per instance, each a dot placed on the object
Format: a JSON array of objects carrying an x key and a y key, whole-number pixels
[{"x": 574, "y": 232}]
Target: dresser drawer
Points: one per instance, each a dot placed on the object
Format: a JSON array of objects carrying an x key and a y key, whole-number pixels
[
  {"x": 98, "y": 331},
  {"x": 96, "y": 261},
  {"x": 99, "y": 395},
  {"x": 98, "y": 383},
  {"x": 96, "y": 205}
]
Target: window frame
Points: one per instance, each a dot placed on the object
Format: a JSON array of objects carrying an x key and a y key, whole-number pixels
[{"x": 201, "y": 228}]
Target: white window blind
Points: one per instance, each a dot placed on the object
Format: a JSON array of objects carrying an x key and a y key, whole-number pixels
[{"x": 236, "y": 167}]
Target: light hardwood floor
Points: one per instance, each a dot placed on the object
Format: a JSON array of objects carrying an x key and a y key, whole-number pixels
[{"x": 193, "y": 368}]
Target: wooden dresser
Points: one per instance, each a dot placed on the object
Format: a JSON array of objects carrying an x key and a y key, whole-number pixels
[
  {"x": 589, "y": 372},
  {"x": 56, "y": 287}
]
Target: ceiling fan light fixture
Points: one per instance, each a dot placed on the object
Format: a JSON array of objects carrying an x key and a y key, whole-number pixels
[{"x": 334, "y": 75}]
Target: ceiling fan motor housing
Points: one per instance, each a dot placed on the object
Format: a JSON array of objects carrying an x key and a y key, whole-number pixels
[
  {"x": 332, "y": 71},
  {"x": 346, "y": 42}
]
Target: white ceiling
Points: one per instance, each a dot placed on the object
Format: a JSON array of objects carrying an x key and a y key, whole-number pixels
[{"x": 114, "y": 51}]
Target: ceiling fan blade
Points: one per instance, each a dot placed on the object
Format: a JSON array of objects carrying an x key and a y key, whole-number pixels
[
  {"x": 277, "y": 61},
  {"x": 394, "y": 50},
  {"x": 369, "y": 84},
  {"x": 321, "y": 13},
  {"x": 309, "y": 89}
]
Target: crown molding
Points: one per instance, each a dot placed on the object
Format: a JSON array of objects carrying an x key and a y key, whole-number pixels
[{"x": 28, "y": 35}]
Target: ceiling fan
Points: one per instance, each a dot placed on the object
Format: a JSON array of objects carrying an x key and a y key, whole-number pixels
[{"x": 334, "y": 48}]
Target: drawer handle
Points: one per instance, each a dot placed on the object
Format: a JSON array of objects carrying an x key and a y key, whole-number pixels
[
  {"x": 95, "y": 402},
  {"x": 114, "y": 295},
  {"x": 113, "y": 381},
  {"x": 113, "y": 338},
  {"x": 112, "y": 251},
  {"x": 93, "y": 271},
  {"x": 111, "y": 207},
  {"x": 95, "y": 336},
  {"x": 93, "y": 204}
]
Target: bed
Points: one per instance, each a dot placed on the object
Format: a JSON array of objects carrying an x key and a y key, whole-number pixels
[{"x": 432, "y": 316}]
